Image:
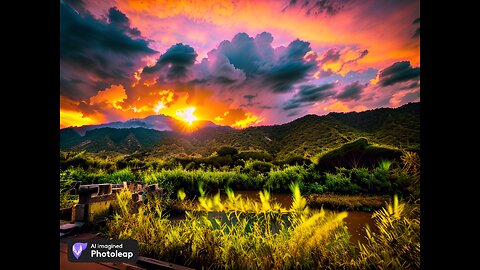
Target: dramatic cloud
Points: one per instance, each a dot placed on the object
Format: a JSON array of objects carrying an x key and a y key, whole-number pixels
[
  {"x": 97, "y": 53},
  {"x": 174, "y": 63},
  {"x": 236, "y": 63},
  {"x": 351, "y": 92},
  {"x": 307, "y": 95},
  {"x": 217, "y": 69},
  {"x": 335, "y": 61},
  {"x": 398, "y": 72},
  {"x": 289, "y": 69},
  {"x": 254, "y": 62},
  {"x": 332, "y": 55}
]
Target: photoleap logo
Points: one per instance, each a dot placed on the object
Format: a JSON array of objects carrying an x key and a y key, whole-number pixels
[
  {"x": 78, "y": 248},
  {"x": 103, "y": 250}
]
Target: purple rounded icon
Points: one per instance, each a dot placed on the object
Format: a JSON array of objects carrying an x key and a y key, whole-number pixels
[{"x": 78, "y": 248}]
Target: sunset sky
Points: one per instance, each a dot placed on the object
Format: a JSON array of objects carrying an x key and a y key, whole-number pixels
[{"x": 236, "y": 63}]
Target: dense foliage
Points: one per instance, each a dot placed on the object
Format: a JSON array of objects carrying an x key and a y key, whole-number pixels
[{"x": 229, "y": 170}]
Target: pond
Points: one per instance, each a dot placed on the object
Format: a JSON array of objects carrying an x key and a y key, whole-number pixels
[{"x": 355, "y": 221}]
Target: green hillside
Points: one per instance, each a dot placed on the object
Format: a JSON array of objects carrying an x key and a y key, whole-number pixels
[
  {"x": 127, "y": 140},
  {"x": 307, "y": 136}
]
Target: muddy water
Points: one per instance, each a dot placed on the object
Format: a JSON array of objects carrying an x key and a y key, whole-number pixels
[{"x": 355, "y": 221}]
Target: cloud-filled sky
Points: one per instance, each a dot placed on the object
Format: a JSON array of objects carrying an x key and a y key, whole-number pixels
[{"x": 236, "y": 63}]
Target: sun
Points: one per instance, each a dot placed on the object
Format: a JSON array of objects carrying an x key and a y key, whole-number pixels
[{"x": 187, "y": 115}]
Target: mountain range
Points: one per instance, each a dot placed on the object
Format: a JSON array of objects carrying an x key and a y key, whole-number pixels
[{"x": 162, "y": 137}]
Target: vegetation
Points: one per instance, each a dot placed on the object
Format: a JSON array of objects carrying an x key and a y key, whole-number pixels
[
  {"x": 68, "y": 196},
  {"x": 218, "y": 172},
  {"x": 252, "y": 235}
]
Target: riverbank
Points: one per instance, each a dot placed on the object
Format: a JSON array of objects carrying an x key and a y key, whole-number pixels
[
  {"x": 364, "y": 203},
  {"x": 347, "y": 202}
]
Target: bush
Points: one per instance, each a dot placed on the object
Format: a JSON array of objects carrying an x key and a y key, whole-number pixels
[
  {"x": 117, "y": 177},
  {"x": 358, "y": 153},
  {"x": 258, "y": 166},
  {"x": 254, "y": 155},
  {"x": 227, "y": 150},
  {"x": 362, "y": 180},
  {"x": 75, "y": 160},
  {"x": 313, "y": 188},
  {"x": 189, "y": 180},
  {"x": 340, "y": 183},
  {"x": 279, "y": 179}
]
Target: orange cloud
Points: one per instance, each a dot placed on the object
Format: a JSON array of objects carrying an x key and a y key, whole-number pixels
[
  {"x": 338, "y": 106},
  {"x": 71, "y": 116},
  {"x": 167, "y": 8},
  {"x": 111, "y": 96},
  {"x": 74, "y": 118},
  {"x": 249, "y": 120},
  {"x": 360, "y": 108}
]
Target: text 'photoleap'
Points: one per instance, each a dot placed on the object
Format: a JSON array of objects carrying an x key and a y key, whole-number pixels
[{"x": 103, "y": 250}]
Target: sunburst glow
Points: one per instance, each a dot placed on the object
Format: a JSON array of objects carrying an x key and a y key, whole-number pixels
[
  {"x": 187, "y": 115},
  {"x": 158, "y": 107}
]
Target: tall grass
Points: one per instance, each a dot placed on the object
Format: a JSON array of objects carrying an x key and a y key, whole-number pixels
[
  {"x": 253, "y": 235},
  {"x": 396, "y": 245}
]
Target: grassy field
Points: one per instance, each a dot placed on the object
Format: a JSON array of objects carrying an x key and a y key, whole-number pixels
[{"x": 233, "y": 232}]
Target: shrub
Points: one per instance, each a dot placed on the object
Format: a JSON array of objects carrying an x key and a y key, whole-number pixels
[
  {"x": 227, "y": 150},
  {"x": 76, "y": 160},
  {"x": 258, "y": 166},
  {"x": 279, "y": 179},
  {"x": 340, "y": 183},
  {"x": 117, "y": 177},
  {"x": 254, "y": 155},
  {"x": 313, "y": 188},
  {"x": 358, "y": 153}
]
